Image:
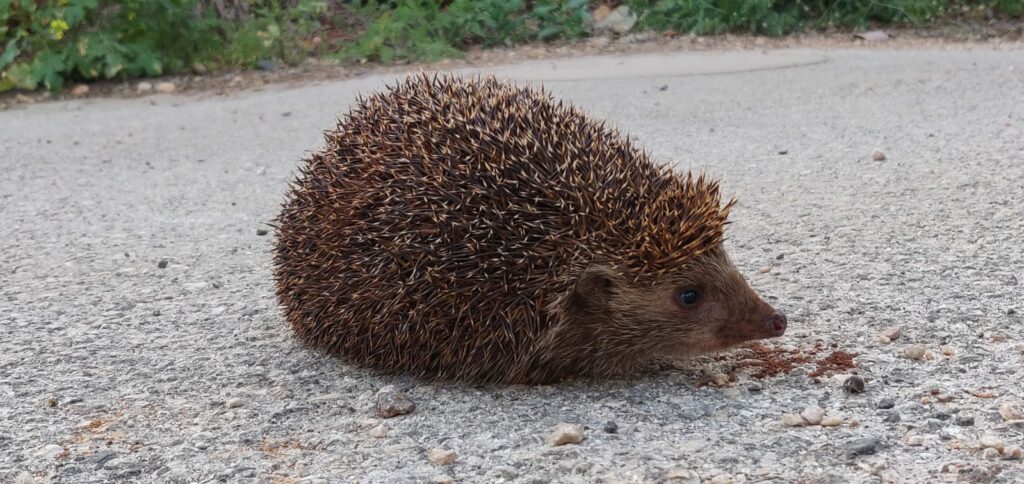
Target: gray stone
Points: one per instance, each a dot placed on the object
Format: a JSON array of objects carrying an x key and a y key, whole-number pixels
[{"x": 862, "y": 446}]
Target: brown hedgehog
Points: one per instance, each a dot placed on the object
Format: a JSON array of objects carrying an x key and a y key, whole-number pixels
[{"x": 475, "y": 230}]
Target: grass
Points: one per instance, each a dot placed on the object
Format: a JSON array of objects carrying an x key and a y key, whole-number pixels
[{"x": 47, "y": 43}]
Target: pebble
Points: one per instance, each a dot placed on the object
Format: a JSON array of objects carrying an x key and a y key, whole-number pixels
[
  {"x": 989, "y": 441},
  {"x": 886, "y": 403},
  {"x": 964, "y": 420},
  {"x": 1013, "y": 453},
  {"x": 831, "y": 421},
  {"x": 891, "y": 417},
  {"x": 854, "y": 384},
  {"x": 565, "y": 433},
  {"x": 166, "y": 87},
  {"x": 892, "y": 332},
  {"x": 792, "y": 420},
  {"x": 863, "y": 446},
  {"x": 234, "y": 403},
  {"x": 49, "y": 452},
  {"x": 877, "y": 155},
  {"x": 720, "y": 379},
  {"x": 947, "y": 350},
  {"x": 80, "y": 90},
  {"x": 764, "y": 269},
  {"x": 944, "y": 398},
  {"x": 611, "y": 427},
  {"x": 915, "y": 440},
  {"x": 504, "y": 472},
  {"x": 1011, "y": 411},
  {"x": 914, "y": 352},
  {"x": 991, "y": 454},
  {"x": 391, "y": 403},
  {"x": 143, "y": 87},
  {"x": 441, "y": 457},
  {"x": 379, "y": 432},
  {"x": 442, "y": 479},
  {"x": 162, "y": 264},
  {"x": 25, "y": 477},
  {"x": 813, "y": 414},
  {"x": 261, "y": 232}
]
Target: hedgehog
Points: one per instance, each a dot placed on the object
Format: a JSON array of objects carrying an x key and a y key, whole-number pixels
[{"x": 473, "y": 229}]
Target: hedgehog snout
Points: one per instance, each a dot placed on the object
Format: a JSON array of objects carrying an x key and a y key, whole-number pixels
[{"x": 776, "y": 324}]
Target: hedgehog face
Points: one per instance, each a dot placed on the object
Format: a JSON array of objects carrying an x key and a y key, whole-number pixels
[
  {"x": 710, "y": 307},
  {"x": 703, "y": 307}
]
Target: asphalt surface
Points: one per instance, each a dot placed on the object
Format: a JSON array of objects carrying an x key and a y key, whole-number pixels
[{"x": 118, "y": 367}]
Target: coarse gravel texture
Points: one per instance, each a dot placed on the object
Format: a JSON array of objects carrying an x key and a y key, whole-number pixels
[{"x": 113, "y": 369}]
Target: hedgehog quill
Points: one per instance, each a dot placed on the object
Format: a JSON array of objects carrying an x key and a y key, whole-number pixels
[{"x": 472, "y": 229}]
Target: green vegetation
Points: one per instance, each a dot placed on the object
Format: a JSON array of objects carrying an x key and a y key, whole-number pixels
[{"x": 46, "y": 43}]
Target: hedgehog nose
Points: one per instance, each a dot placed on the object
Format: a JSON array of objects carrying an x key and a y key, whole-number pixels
[{"x": 776, "y": 324}]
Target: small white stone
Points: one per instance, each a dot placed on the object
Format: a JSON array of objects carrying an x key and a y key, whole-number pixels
[
  {"x": 442, "y": 479},
  {"x": 25, "y": 477},
  {"x": 234, "y": 403},
  {"x": 49, "y": 452},
  {"x": 831, "y": 421},
  {"x": 792, "y": 420},
  {"x": 379, "y": 432},
  {"x": 1011, "y": 411},
  {"x": 914, "y": 352},
  {"x": 947, "y": 350},
  {"x": 565, "y": 433},
  {"x": 166, "y": 87},
  {"x": 1012, "y": 452},
  {"x": 144, "y": 87},
  {"x": 441, "y": 457},
  {"x": 882, "y": 339},
  {"x": 915, "y": 440},
  {"x": 813, "y": 414},
  {"x": 991, "y": 454},
  {"x": 764, "y": 269},
  {"x": 680, "y": 474},
  {"x": 989, "y": 441}
]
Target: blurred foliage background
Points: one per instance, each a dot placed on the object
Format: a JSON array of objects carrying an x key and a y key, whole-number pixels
[{"x": 48, "y": 43}]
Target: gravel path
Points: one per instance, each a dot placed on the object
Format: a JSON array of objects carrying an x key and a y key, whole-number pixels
[{"x": 141, "y": 340}]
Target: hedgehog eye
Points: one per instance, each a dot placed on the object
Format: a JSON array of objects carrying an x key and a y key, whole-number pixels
[{"x": 688, "y": 297}]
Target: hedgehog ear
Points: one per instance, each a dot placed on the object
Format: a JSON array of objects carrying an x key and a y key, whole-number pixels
[{"x": 593, "y": 286}]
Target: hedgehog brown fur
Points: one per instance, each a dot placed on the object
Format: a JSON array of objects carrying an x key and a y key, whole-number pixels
[{"x": 472, "y": 229}]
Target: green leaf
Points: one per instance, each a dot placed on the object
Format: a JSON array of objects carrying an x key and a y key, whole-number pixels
[
  {"x": 549, "y": 32},
  {"x": 53, "y": 81},
  {"x": 11, "y": 51}
]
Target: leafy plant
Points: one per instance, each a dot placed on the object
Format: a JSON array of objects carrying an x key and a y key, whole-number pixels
[{"x": 50, "y": 42}]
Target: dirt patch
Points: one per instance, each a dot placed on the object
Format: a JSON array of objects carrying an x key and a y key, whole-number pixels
[{"x": 769, "y": 361}]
